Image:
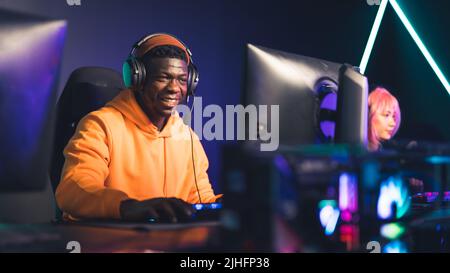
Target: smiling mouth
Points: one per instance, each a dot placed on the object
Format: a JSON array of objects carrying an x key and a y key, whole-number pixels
[{"x": 169, "y": 99}]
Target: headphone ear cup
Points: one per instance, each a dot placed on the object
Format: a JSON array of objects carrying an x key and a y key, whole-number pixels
[
  {"x": 193, "y": 78},
  {"x": 133, "y": 73},
  {"x": 127, "y": 73},
  {"x": 142, "y": 75}
]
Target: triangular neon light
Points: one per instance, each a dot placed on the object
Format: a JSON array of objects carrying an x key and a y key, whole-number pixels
[{"x": 412, "y": 32}]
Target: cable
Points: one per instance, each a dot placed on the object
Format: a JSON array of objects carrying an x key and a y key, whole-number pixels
[
  {"x": 139, "y": 100},
  {"x": 192, "y": 152}
]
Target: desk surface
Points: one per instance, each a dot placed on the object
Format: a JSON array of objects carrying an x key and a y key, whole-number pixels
[{"x": 109, "y": 237}]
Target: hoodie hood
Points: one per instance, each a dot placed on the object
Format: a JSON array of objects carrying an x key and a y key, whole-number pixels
[{"x": 126, "y": 104}]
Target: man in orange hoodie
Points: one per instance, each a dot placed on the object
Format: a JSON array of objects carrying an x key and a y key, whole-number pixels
[{"x": 135, "y": 159}]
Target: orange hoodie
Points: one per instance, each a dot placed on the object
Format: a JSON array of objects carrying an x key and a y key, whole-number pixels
[{"x": 118, "y": 154}]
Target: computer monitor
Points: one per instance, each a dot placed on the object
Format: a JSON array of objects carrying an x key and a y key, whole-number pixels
[
  {"x": 305, "y": 89},
  {"x": 263, "y": 189},
  {"x": 31, "y": 48},
  {"x": 352, "y": 107}
]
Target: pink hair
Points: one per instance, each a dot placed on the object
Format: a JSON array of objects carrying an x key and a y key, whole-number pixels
[{"x": 381, "y": 100}]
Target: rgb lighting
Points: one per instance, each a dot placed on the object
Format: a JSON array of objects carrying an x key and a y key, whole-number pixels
[
  {"x": 412, "y": 32},
  {"x": 372, "y": 36},
  {"x": 420, "y": 44},
  {"x": 395, "y": 247},
  {"x": 348, "y": 195},
  {"x": 392, "y": 231},
  {"x": 328, "y": 215},
  {"x": 393, "y": 192}
]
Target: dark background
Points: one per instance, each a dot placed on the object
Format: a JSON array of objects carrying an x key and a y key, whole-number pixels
[{"x": 100, "y": 33}]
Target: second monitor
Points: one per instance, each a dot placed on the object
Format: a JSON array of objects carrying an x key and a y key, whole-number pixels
[{"x": 319, "y": 101}]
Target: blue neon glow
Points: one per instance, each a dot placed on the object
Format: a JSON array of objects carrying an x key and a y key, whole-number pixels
[
  {"x": 420, "y": 44},
  {"x": 395, "y": 247},
  {"x": 207, "y": 206},
  {"x": 331, "y": 226},
  {"x": 216, "y": 205},
  {"x": 325, "y": 214},
  {"x": 436, "y": 159},
  {"x": 372, "y": 36},
  {"x": 392, "y": 191},
  {"x": 329, "y": 216}
]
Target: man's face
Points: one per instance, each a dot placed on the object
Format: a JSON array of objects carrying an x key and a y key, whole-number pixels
[{"x": 166, "y": 86}]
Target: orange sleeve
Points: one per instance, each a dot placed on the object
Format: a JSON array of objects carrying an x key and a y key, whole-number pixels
[
  {"x": 81, "y": 191},
  {"x": 201, "y": 167}
]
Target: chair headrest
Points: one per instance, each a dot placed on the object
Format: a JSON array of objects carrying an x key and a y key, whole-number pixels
[{"x": 88, "y": 89}]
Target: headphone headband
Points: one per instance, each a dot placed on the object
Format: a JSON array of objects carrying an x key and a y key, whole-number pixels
[{"x": 166, "y": 39}]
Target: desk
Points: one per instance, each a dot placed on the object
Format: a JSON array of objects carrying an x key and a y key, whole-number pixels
[{"x": 106, "y": 238}]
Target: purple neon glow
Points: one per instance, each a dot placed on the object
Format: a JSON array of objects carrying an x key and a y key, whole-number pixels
[
  {"x": 431, "y": 196},
  {"x": 346, "y": 216},
  {"x": 328, "y": 127},
  {"x": 282, "y": 164},
  {"x": 29, "y": 64},
  {"x": 447, "y": 196},
  {"x": 348, "y": 195}
]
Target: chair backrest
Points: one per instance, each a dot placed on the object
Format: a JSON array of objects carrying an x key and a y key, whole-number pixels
[{"x": 88, "y": 89}]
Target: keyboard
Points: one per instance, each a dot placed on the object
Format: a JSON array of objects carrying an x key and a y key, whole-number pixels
[
  {"x": 204, "y": 212},
  {"x": 207, "y": 212}
]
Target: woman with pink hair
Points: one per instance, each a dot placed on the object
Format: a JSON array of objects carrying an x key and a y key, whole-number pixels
[
  {"x": 384, "y": 117},
  {"x": 384, "y": 122}
]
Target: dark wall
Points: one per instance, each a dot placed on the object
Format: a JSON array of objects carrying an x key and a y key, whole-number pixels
[
  {"x": 398, "y": 64},
  {"x": 101, "y": 33}
]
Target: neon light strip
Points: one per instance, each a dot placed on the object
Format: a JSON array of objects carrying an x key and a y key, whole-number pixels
[
  {"x": 372, "y": 36},
  {"x": 420, "y": 44}
]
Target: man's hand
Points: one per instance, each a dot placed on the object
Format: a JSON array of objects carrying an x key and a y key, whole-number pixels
[{"x": 159, "y": 209}]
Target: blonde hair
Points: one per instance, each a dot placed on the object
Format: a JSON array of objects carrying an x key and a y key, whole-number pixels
[{"x": 381, "y": 100}]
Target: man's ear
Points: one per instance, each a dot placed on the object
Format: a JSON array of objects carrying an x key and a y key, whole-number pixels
[{"x": 146, "y": 85}]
